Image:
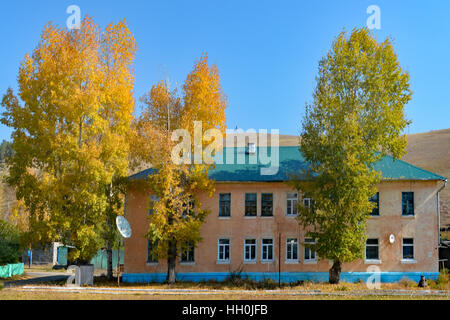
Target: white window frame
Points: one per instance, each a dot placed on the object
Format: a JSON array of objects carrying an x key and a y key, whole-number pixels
[
  {"x": 289, "y": 243},
  {"x": 372, "y": 261},
  {"x": 293, "y": 200},
  {"x": 250, "y": 245},
  {"x": 409, "y": 260},
  {"x": 267, "y": 245},
  {"x": 311, "y": 252},
  {"x": 307, "y": 200},
  {"x": 219, "y": 246},
  {"x": 251, "y": 148}
]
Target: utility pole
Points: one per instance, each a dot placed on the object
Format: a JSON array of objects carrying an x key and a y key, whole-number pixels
[
  {"x": 118, "y": 265},
  {"x": 279, "y": 260}
]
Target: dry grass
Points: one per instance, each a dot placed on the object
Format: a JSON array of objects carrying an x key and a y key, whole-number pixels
[
  {"x": 42, "y": 268},
  {"x": 241, "y": 289},
  {"x": 443, "y": 283},
  {"x": 16, "y": 294},
  {"x": 431, "y": 151}
]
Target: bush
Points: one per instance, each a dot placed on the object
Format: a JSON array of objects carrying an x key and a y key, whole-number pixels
[
  {"x": 442, "y": 281},
  {"x": 342, "y": 288},
  {"x": 407, "y": 283},
  {"x": 10, "y": 249},
  {"x": 270, "y": 284}
]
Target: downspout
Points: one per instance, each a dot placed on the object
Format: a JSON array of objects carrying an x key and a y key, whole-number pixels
[{"x": 439, "y": 211}]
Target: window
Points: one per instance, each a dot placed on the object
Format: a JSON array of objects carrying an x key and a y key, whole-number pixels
[
  {"x": 153, "y": 198},
  {"x": 250, "y": 250},
  {"x": 251, "y": 148},
  {"x": 250, "y": 204},
  {"x": 375, "y": 199},
  {"x": 291, "y": 205},
  {"x": 267, "y": 250},
  {"x": 372, "y": 249},
  {"x": 310, "y": 255},
  {"x": 224, "y": 204},
  {"x": 189, "y": 208},
  {"x": 188, "y": 254},
  {"x": 266, "y": 205},
  {"x": 151, "y": 256},
  {"x": 308, "y": 203},
  {"x": 223, "y": 252},
  {"x": 291, "y": 249},
  {"x": 407, "y": 203},
  {"x": 408, "y": 248}
]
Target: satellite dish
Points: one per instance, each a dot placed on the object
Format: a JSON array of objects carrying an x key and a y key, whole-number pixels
[
  {"x": 391, "y": 238},
  {"x": 123, "y": 226}
]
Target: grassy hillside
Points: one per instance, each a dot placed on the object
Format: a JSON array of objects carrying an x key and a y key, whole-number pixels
[{"x": 430, "y": 151}]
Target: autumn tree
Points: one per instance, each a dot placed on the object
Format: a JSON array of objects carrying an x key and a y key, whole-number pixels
[
  {"x": 175, "y": 224},
  {"x": 5, "y": 151},
  {"x": 356, "y": 118},
  {"x": 70, "y": 133}
]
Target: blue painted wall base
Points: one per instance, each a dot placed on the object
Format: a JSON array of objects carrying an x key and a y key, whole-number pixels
[{"x": 286, "y": 277}]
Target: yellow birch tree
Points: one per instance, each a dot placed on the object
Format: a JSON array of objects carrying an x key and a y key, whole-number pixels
[
  {"x": 70, "y": 133},
  {"x": 177, "y": 218}
]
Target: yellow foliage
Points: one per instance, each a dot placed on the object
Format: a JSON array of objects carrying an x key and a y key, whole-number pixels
[
  {"x": 73, "y": 127},
  {"x": 177, "y": 214}
]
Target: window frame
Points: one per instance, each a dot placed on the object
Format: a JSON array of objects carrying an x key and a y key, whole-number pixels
[
  {"x": 264, "y": 203},
  {"x": 151, "y": 244},
  {"x": 375, "y": 211},
  {"x": 219, "y": 245},
  {"x": 251, "y": 148},
  {"x": 255, "y": 245},
  {"x": 246, "y": 204},
  {"x": 290, "y": 245},
  {"x": 377, "y": 245},
  {"x": 411, "y": 245},
  {"x": 222, "y": 202},
  {"x": 311, "y": 252},
  {"x": 190, "y": 252},
  {"x": 405, "y": 211},
  {"x": 310, "y": 202},
  {"x": 272, "y": 245},
  {"x": 291, "y": 201}
]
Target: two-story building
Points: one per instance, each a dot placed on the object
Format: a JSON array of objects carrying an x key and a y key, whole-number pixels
[{"x": 252, "y": 227}]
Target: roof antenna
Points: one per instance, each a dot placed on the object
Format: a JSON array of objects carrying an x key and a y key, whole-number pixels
[{"x": 164, "y": 74}]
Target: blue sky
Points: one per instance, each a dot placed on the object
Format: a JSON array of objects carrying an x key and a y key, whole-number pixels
[{"x": 267, "y": 51}]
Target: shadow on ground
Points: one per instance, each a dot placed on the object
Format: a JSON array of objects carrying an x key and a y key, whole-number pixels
[{"x": 37, "y": 279}]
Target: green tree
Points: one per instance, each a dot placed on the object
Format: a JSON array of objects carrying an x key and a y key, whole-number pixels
[
  {"x": 5, "y": 150},
  {"x": 356, "y": 118},
  {"x": 10, "y": 249}
]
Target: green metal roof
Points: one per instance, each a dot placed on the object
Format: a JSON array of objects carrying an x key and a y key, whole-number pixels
[{"x": 291, "y": 161}]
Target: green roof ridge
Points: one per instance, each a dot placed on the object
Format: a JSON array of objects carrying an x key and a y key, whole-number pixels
[
  {"x": 416, "y": 167},
  {"x": 290, "y": 161}
]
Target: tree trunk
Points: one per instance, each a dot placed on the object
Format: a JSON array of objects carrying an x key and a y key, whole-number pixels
[
  {"x": 109, "y": 264},
  {"x": 335, "y": 272},
  {"x": 171, "y": 263}
]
